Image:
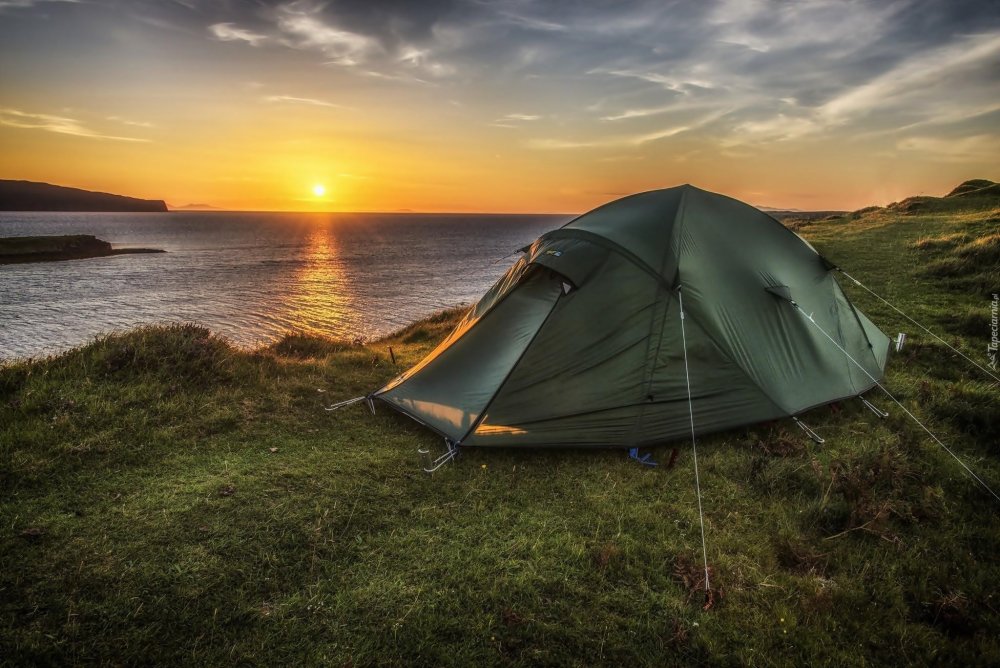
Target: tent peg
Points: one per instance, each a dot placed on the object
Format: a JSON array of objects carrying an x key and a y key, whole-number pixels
[
  {"x": 342, "y": 404},
  {"x": 809, "y": 431},
  {"x": 874, "y": 409},
  {"x": 443, "y": 459},
  {"x": 900, "y": 341}
]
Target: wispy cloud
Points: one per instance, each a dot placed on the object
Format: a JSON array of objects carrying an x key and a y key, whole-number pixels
[
  {"x": 638, "y": 113},
  {"x": 520, "y": 117},
  {"x": 24, "y": 4},
  {"x": 618, "y": 141},
  {"x": 916, "y": 74},
  {"x": 59, "y": 124},
  {"x": 423, "y": 59},
  {"x": 126, "y": 121},
  {"x": 305, "y": 28},
  {"x": 292, "y": 99},
  {"x": 982, "y": 147},
  {"x": 532, "y": 23},
  {"x": 625, "y": 141},
  {"x": 228, "y": 32}
]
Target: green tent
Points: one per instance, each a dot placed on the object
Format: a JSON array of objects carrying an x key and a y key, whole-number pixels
[{"x": 580, "y": 343}]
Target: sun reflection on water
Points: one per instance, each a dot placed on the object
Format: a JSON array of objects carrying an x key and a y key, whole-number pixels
[{"x": 320, "y": 295}]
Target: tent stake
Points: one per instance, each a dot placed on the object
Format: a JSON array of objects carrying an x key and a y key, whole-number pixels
[
  {"x": 874, "y": 409},
  {"x": 449, "y": 454},
  {"x": 341, "y": 404},
  {"x": 809, "y": 431}
]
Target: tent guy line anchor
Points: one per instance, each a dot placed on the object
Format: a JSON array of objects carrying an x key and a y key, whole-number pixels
[
  {"x": 694, "y": 446},
  {"x": 441, "y": 460},
  {"x": 873, "y": 408},
  {"x": 898, "y": 402},
  {"x": 809, "y": 431},
  {"x": 342, "y": 404},
  {"x": 902, "y": 338}
]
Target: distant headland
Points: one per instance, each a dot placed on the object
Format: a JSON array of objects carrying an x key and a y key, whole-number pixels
[
  {"x": 15, "y": 250},
  {"x": 35, "y": 196}
]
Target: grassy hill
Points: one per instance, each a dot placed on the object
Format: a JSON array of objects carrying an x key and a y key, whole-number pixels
[{"x": 166, "y": 498}]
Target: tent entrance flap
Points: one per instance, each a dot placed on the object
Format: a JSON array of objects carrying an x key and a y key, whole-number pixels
[{"x": 452, "y": 390}]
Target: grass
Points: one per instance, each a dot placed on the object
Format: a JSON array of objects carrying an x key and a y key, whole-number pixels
[{"x": 167, "y": 498}]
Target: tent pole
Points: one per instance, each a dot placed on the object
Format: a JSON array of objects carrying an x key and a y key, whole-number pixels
[
  {"x": 694, "y": 445},
  {"x": 897, "y": 401}
]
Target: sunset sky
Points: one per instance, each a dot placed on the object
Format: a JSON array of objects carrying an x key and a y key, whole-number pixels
[{"x": 513, "y": 105}]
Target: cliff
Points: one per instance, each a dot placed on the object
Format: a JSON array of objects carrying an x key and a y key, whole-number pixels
[{"x": 34, "y": 196}]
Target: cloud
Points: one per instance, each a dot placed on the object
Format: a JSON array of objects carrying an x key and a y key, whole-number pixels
[
  {"x": 126, "y": 121},
  {"x": 227, "y": 32},
  {"x": 304, "y": 28},
  {"x": 423, "y": 59},
  {"x": 732, "y": 74},
  {"x": 982, "y": 147},
  {"x": 24, "y": 4},
  {"x": 917, "y": 74},
  {"x": 520, "y": 117},
  {"x": 638, "y": 113},
  {"x": 619, "y": 141},
  {"x": 58, "y": 124},
  {"x": 291, "y": 99},
  {"x": 532, "y": 23},
  {"x": 634, "y": 140}
]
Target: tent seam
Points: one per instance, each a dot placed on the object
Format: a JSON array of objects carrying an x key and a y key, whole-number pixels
[
  {"x": 650, "y": 371},
  {"x": 600, "y": 240},
  {"x": 382, "y": 390},
  {"x": 517, "y": 362},
  {"x": 726, "y": 353}
]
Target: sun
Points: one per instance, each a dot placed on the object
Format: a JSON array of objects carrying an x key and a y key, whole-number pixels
[{"x": 319, "y": 190}]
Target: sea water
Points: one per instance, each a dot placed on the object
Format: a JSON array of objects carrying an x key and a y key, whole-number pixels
[{"x": 252, "y": 277}]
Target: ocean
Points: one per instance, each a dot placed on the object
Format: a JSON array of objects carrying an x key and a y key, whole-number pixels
[{"x": 252, "y": 277}]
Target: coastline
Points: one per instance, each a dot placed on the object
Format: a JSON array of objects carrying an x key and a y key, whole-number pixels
[{"x": 19, "y": 250}]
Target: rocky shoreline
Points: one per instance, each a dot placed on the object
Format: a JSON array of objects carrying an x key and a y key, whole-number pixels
[{"x": 17, "y": 250}]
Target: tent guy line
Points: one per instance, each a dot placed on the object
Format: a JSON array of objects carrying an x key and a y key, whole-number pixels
[
  {"x": 809, "y": 317},
  {"x": 694, "y": 446},
  {"x": 898, "y": 310}
]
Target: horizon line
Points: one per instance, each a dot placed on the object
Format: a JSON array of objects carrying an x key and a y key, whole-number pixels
[{"x": 403, "y": 212}]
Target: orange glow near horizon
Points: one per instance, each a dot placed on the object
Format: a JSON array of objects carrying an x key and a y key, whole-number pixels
[{"x": 399, "y": 108}]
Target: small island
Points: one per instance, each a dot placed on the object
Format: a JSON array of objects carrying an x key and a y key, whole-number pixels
[{"x": 15, "y": 250}]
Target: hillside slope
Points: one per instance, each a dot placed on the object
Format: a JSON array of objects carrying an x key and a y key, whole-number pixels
[{"x": 35, "y": 196}]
